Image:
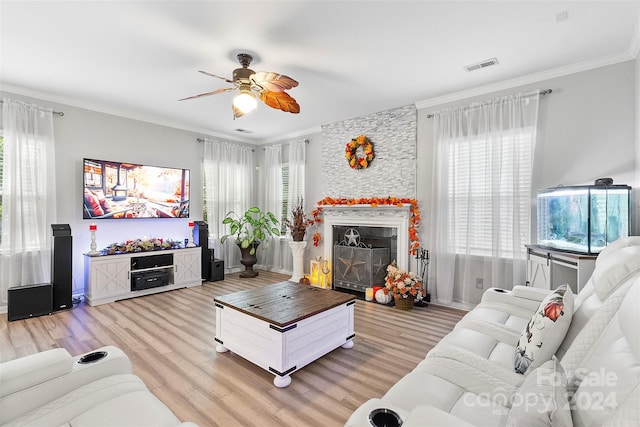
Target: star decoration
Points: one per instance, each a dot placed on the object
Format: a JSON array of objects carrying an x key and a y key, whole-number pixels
[
  {"x": 380, "y": 267},
  {"x": 352, "y": 265},
  {"x": 352, "y": 237}
]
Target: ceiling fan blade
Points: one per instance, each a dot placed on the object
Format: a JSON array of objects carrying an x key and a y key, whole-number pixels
[
  {"x": 218, "y": 77},
  {"x": 273, "y": 81},
  {"x": 280, "y": 101},
  {"x": 215, "y": 92}
]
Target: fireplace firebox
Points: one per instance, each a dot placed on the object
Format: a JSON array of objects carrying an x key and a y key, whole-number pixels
[{"x": 361, "y": 256}]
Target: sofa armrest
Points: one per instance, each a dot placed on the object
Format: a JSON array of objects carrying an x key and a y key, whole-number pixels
[
  {"x": 525, "y": 297},
  {"x": 360, "y": 418},
  {"x": 434, "y": 416},
  {"x": 28, "y": 371},
  {"x": 417, "y": 417},
  {"x": 529, "y": 292}
]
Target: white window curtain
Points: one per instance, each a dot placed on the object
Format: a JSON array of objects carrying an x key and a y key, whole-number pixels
[
  {"x": 481, "y": 213},
  {"x": 277, "y": 256},
  {"x": 228, "y": 186},
  {"x": 297, "y": 160},
  {"x": 28, "y": 195}
]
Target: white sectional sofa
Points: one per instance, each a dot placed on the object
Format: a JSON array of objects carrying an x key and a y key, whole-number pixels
[
  {"x": 54, "y": 389},
  {"x": 591, "y": 376}
]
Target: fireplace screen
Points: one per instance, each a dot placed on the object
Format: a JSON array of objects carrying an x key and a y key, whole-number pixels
[{"x": 358, "y": 266}]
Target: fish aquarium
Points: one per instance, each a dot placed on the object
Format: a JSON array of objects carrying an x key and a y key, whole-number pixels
[{"x": 583, "y": 219}]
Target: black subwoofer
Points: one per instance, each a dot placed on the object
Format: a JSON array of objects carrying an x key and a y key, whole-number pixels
[
  {"x": 61, "y": 273},
  {"x": 217, "y": 270},
  {"x": 29, "y": 301},
  {"x": 201, "y": 238}
]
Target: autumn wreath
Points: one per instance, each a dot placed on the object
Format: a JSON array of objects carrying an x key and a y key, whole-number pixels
[{"x": 350, "y": 152}]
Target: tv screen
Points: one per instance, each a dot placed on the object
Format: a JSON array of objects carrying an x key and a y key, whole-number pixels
[{"x": 115, "y": 190}]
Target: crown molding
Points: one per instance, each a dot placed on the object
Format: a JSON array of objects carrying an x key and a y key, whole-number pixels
[
  {"x": 133, "y": 115},
  {"x": 528, "y": 79}
]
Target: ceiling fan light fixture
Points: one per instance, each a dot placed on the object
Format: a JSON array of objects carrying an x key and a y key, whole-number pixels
[{"x": 245, "y": 100}]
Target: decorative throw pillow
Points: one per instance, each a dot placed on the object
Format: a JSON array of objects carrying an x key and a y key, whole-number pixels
[
  {"x": 542, "y": 400},
  {"x": 545, "y": 331},
  {"x": 92, "y": 203},
  {"x": 104, "y": 202}
]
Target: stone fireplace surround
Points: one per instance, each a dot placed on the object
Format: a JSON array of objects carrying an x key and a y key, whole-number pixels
[{"x": 366, "y": 215}]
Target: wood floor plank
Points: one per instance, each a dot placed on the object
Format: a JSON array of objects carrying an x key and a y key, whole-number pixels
[{"x": 169, "y": 339}]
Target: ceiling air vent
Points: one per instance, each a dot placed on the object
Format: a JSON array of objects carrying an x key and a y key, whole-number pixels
[
  {"x": 481, "y": 64},
  {"x": 243, "y": 130}
]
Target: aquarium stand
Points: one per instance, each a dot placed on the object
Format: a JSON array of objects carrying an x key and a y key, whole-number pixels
[{"x": 548, "y": 268}]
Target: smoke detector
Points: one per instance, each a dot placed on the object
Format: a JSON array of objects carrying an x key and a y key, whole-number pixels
[{"x": 481, "y": 64}]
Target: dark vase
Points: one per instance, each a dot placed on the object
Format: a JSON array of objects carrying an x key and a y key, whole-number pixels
[
  {"x": 297, "y": 235},
  {"x": 249, "y": 261}
]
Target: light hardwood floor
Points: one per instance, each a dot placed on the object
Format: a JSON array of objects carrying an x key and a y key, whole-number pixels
[{"x": 169, "y": 339}]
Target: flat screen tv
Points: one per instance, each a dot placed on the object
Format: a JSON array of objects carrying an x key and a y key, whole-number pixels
[{"x": 116, "y": 190}]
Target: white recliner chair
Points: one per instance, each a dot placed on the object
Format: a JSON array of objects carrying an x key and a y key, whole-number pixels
[{"x": 52, "y": 388}]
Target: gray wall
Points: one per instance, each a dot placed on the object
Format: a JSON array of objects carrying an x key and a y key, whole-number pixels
[{"x": 586, "y": 131}]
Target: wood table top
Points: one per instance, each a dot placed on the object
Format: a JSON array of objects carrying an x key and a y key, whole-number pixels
[{"x": 284, "y": 303}]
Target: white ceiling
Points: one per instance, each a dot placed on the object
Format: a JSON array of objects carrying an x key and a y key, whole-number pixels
[{"x": 352, "y": 58}]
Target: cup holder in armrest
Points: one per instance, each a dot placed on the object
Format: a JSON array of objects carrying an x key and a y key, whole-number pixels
[
  {"x": 500, "y": 290},
  {"x": 383, "y": 417},
  {"x": 92, "y": 357}
]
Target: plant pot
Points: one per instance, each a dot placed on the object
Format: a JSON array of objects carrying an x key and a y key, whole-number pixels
[
  {"x": 298, "y": 235},
  {"x": 248, "y": 261},
  {"x": 404, "y": 303}
]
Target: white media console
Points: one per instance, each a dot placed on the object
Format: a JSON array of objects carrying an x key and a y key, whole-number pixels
[{"x": 111, "y": 278}]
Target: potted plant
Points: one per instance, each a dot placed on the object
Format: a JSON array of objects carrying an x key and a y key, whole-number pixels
[
  {"x": 405, "y": 287},
  {"x": 249, "y": 230},
  {"x": 298, "y": 222}
]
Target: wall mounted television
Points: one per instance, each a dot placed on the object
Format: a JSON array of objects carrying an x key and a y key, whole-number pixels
[{"x": 115, "y": 190}]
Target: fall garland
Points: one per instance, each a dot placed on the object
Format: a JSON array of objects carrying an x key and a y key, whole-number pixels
[
  {"x": 414, "y": 219},
  {"x": 356, "y": 162}
]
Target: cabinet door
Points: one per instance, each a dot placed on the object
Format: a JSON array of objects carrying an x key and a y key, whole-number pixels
[
  {"x": 538, "y": 271},
  {"x": 109, "y": 278},
  {"x": 187, "y": 266}
]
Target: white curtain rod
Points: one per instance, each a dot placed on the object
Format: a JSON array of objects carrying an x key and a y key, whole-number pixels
[
  {"x": 200, "y": 140},
  {"x": 306, "y": 141},
  {"x": 286, "y": 143},
  {"x": 59, "y": 113},
  {"x": 542, "y": 93}
]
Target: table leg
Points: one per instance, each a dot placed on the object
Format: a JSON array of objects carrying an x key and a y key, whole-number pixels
[{"x": 279, "y": 381}]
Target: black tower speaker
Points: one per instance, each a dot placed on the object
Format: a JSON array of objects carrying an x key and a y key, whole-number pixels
[
  {"x": 29, "y": 301},
  {"x": 201, "y": 238},
  {"x": 61, "y": 276}
]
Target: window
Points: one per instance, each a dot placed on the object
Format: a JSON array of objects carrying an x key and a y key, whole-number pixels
[
  {"x": 285, "y": 198},
  {"x": 489, "y": 195}
]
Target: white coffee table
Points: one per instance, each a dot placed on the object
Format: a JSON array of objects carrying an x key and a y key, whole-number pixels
[{"x": 285, "y": 326}]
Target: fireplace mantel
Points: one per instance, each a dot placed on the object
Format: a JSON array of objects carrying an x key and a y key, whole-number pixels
[{"x": 366, "y": 215}]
